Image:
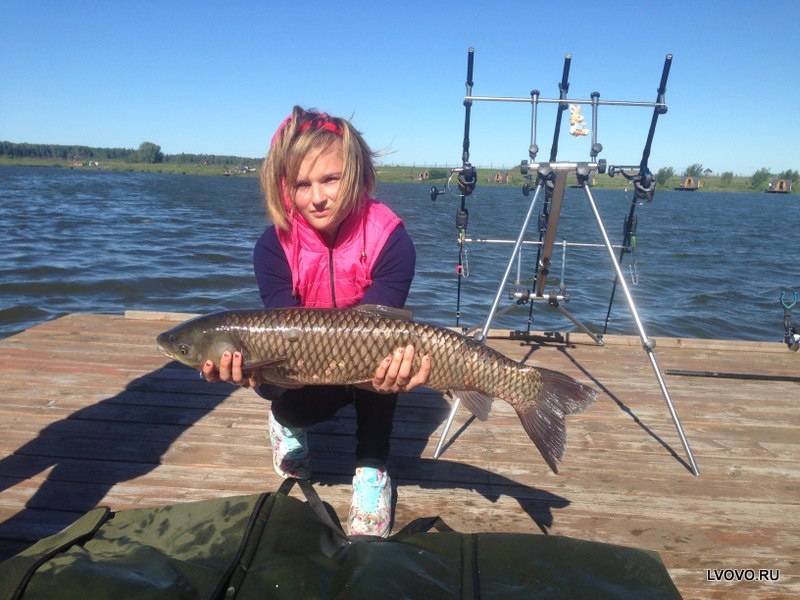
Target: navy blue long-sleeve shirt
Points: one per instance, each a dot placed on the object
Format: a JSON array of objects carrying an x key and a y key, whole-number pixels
[{"x": 391, "y": 275}]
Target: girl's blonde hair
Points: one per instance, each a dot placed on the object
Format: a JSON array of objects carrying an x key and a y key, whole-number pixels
[{"x": 305, "y": 131}]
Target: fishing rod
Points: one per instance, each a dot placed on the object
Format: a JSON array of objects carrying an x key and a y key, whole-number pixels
[
  {"x": 563, "y": 89},
  {"x": 728, "y": 375},
  {"x": 466, "y": 180},
  {"x": 643, "y": 181}
]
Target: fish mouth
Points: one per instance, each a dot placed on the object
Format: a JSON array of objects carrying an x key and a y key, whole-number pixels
[
  {"x": 167, "y": 351},
  {"x": 163, "y": 346},
  {"x": 175, "y": 356}
]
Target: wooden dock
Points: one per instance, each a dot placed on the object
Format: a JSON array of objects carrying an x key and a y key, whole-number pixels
[{"x": 92, "y": 414}]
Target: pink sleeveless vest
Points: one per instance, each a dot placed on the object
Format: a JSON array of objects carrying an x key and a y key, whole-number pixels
[{"x": 325, "y": 277}]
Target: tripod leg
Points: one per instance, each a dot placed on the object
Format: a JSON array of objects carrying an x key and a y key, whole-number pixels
[
  {"x": 447, "y": 425},
  {"x": 482, "y": 336},
  {"x": 648, "y": 346},
  {"x": 492, "y": 311},
  {"x": 579, "y": 325}
]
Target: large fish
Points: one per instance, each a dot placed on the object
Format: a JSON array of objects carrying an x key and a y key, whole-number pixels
[{"x": 344, "y": 346}]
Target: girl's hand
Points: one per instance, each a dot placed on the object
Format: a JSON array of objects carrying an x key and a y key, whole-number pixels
[
  {"x": 393, "y": 375},
  {"x": 230, "y": 370}
]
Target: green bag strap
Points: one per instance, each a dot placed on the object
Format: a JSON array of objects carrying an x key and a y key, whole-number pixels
[
  {"x": 423, "y": 525},
  {"x": 318, "y": 507},
  {"x": 255, "y": 525},
  {"x": 19, "y": 570},
  {"x": 470, "y": 573},
  {"x": 234, "y": 574}
]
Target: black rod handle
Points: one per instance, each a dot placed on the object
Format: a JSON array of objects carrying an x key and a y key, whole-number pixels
[
  {"x": 662, "y": 88},
  {"x": 470, "y": 63},
  {"x": 563, "y": 88},
  {"x": 467, "y": 106}
]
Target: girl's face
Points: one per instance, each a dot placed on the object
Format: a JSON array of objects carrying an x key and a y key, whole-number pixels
[{"x": 316, "y": 191}]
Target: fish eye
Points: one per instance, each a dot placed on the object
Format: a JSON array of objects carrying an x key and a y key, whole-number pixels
[{"x": 183, "y": 349}]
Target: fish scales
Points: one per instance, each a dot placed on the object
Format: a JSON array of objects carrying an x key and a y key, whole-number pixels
[{"x": 345, "y": 346}]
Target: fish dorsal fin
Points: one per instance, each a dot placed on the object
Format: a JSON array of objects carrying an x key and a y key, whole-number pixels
[{"x": 387, "y": 312}]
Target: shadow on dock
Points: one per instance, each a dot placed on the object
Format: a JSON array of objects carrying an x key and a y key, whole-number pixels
[
  {"x": 407, "y": 466},
  {"x": 626, "y": 409},
  {"x": 126, "y": 436},
  {"x": 120, "y": 438}
]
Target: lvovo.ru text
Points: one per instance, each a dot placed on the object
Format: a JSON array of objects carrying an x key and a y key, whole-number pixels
[{"x": 743, "y": 574}]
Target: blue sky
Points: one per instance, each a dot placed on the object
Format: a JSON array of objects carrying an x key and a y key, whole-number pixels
[{"x": 217, "y": 77}]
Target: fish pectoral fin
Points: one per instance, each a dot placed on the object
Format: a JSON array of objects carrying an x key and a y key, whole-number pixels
[
  {"x": 255, "y": 365},
  {"x": 477, "y": 403},
  {"x": 387, "y": 312}
]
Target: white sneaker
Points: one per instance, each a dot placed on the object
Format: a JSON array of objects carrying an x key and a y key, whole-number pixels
[
  {"x": 371, "y": 508},
  {"x": 289, "y": 450}
]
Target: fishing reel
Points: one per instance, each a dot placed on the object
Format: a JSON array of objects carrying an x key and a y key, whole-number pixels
[
  {"x": 791, "y": 330},
  {"x": 644, "y": 184},
  {"x": 543, "y": 173},
  {"x": 793, "y": 339},
  {"x": 466, "y": 181}
]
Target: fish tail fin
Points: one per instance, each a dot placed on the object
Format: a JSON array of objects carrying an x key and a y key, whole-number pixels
[{"x": 543, "y": 419}]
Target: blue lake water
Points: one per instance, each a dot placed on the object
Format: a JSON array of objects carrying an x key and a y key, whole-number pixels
[{"x": 708, "y": 265}]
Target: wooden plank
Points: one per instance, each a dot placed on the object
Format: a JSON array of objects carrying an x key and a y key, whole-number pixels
[
  {"x": 111, "y": 421},
  {"x": 147, "y": 315}
]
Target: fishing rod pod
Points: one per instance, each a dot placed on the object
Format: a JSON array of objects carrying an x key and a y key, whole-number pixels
[
  {"x": 551, "y": 177},
  {"x": 545, "y": 175}
]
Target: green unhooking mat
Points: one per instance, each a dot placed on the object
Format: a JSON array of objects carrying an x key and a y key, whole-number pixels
[{"x": 276, "y": 546}]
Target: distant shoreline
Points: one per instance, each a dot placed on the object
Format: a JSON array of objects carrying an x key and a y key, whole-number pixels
[{"x": 386, "y": 174}]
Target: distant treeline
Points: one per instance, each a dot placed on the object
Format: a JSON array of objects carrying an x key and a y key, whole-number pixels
[
  {"x": 757, "y": 180},
  {"x": 147, "y": 152}
]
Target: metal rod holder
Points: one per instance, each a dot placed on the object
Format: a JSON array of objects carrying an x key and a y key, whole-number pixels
[
  {"x": 647, "y": 344},
  {"x": 661, "y": 105},
  {"x": 554, "y": 170},
  {"x": 562, "y": 243}
]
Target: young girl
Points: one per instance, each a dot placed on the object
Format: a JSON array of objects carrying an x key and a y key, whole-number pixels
[{"x": 331, "y": 245}]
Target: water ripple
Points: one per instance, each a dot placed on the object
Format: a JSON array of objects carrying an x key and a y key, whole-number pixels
[{"x": 708, "y": 265}]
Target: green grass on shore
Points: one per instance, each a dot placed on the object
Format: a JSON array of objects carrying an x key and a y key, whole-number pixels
[
  {"x": 118, "y": 165},
  {"x": 386, "y": 174}
]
